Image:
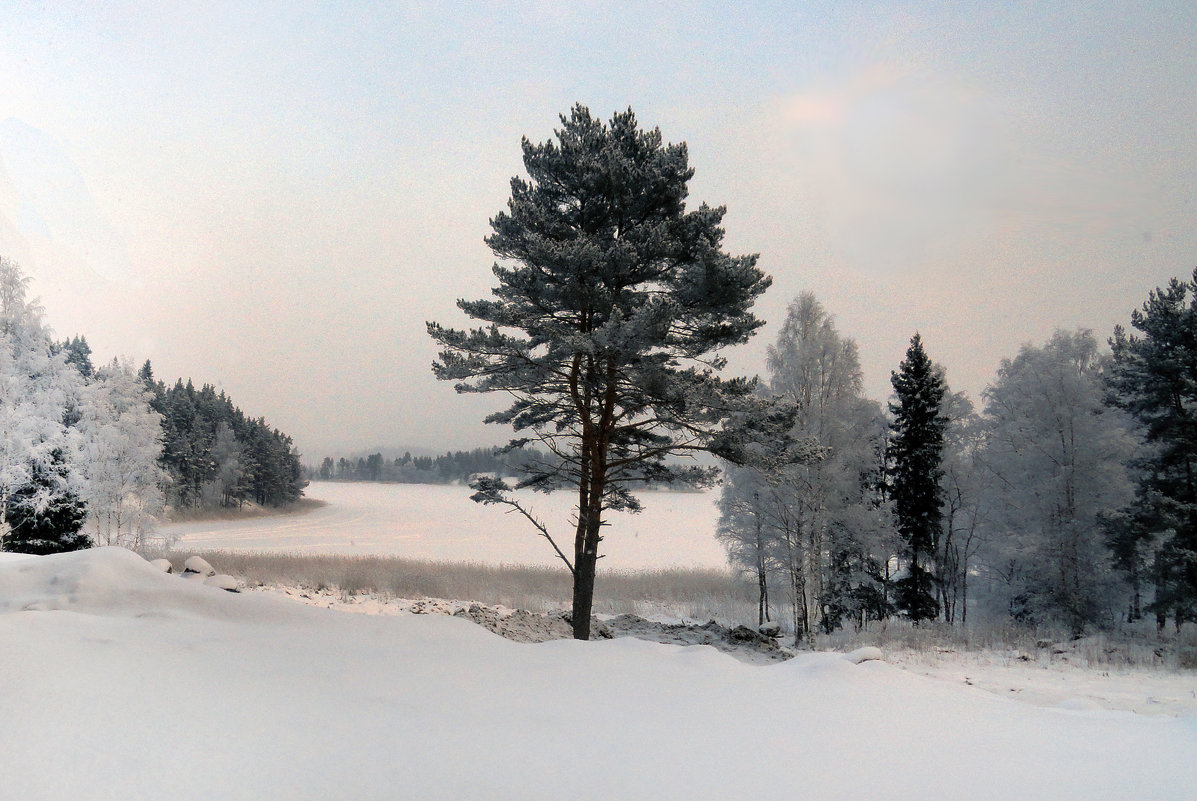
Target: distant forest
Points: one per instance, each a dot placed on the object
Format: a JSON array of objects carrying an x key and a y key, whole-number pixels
[
  {"x": 452, "y": 467},
  {"x": 215, "y": 454}
]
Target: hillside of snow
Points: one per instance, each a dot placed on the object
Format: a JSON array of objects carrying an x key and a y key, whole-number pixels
[{"x": 121, "y": 682}]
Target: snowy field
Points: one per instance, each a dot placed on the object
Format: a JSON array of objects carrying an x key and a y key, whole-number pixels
[
  {"x": 121, "y": 682},
  {"x": 441, "y": 523}
]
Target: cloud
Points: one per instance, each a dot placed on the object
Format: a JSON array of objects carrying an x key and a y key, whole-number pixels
[{"x": 907, "y": 163}]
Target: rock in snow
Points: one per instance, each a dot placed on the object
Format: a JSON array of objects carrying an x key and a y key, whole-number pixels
[
  {"x": 195, "y": 564},
  {"x": 223, "y": 582}
]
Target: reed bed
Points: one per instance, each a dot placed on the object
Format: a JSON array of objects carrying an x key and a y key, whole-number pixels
[
  {"x": 690, "y": 596},
  {"x": 684, "y": 594}
]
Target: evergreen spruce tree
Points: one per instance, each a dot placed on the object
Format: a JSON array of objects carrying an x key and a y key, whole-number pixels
[
  {"x": 612, "y": 303},
  {"x": 77, "y": 353},
  {"x": 916, "y": 452},
  {"x": 46, "y": 527},
  {"x": 1154, "y": 378}
]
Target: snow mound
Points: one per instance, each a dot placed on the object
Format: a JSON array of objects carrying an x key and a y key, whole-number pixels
[
  {"x": 223, "y": 582},
  {"x": 869, "y": 653},
  {"x": 518, "y": 625},
  {"x": 118, "y": 582},
  {"x": 196, "y": 564},
  {"x": 739, "y": 641}
]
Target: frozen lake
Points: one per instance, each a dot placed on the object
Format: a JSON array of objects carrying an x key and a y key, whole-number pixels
[{"x": 676, "y": 529}]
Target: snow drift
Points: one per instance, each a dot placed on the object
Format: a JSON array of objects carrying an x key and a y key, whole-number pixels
[{"x": 120, "y": 681}]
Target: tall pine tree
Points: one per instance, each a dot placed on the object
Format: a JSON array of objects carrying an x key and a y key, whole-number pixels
[
  {"x": 611, "y": 306},
  {"x": 1154, "y": 377},
  {"x": 916, "y": 453}
]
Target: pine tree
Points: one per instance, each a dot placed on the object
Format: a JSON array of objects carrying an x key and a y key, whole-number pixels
[
  {"x": 1154, "y": 378},
  {"x": 611, "y": 305},
  {"x": 916, "y": 452},
  {"x": 78, "y": 354}
]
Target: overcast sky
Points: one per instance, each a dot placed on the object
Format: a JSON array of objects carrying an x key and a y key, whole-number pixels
[{"x": 274, "y": 200}]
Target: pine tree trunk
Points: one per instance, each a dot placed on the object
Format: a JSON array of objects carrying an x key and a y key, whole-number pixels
[
  {"x": 584, "y": 570},
  {"x": 586, "y": 542}
]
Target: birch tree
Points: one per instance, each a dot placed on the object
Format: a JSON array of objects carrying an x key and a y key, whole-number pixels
[
  {"x": 1060, "y": 457},
  {"x": 119, "y": 448},
  {"x": 814, "y": 519}
]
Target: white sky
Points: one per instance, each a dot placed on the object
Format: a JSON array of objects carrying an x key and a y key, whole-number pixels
[{"x": 275, "y": 200}]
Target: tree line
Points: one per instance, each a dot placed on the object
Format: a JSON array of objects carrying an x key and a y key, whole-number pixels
[
  {"x": 1068, "y": 498},
  {"x": 215, "y": 455},
  {"x": 450, "y": 467},
  {"x": 94, "y": 455}
]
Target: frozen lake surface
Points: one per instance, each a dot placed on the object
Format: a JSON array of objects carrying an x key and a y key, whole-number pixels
[{"x": 441, "y": 523}]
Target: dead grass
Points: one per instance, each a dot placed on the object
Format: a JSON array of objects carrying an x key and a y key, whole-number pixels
[
  {"x": 247, "y": 511},
  {"x": 683, "y": 594},
  {"x": 1128, "y": 646}
]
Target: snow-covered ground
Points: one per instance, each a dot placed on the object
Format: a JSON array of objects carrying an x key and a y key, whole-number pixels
[
  {"x": 1043, "y": 677},
  {"x": 118, "y": 681},
  {"x": 441, "y": 523}
]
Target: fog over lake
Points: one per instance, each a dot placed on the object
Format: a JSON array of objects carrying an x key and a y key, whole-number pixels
[{"x": 441, "y": 523}]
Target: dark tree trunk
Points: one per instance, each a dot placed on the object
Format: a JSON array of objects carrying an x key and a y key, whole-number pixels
[
  {"x": 586, "y": 542},
  {"x": 584, "y": 568}
]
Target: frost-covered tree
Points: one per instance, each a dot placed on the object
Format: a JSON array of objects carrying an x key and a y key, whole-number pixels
[
  {"x": 916, "y": 470},
  {"x": 818, "y": 370},
  {"x": 119, "y": 447},
  {"x": 37, "y": 388},
  {"x": 1059, "y": 455},
  {"x": 1154, "y": 378},
  {"x": 753, "y": 525},
  {"x": 814, "y": 520},
  {"x": 964, "y": 484},
  {"x": 745, "y": 531},
  {"x": 52, "y": 526},
  {"x": 612, "y": 303},
  {"x": 227, "y": 484}
]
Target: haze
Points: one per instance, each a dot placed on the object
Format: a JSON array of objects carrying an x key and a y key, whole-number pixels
[{"x": 275, "y": 199}]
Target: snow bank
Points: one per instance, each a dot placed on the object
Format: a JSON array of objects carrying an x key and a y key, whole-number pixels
[
  {"x": 119, "y": 681},
  {"x": 114, "y": 582}
]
